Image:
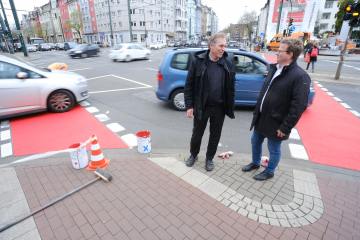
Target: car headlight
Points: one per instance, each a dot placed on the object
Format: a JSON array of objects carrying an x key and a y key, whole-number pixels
[{"x": 78, "y": 52}]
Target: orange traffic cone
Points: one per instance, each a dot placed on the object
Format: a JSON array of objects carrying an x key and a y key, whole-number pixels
[{"x": 97, "y": 159}]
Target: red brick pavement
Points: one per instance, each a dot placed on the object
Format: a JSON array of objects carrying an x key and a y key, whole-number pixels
[{"x": 146, "y": 202}]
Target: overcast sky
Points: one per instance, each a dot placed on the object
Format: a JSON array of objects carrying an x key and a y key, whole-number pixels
[{"x": 228, "y": 11}]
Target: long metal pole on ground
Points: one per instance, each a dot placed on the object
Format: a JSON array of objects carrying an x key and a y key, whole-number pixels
[
  {"x": 18, "y": 27},
  {"x": 8, "y": 27},
  {"x": 279, "y": 16},
  {"x": 342, "y": 53},
  {"x": 129, "y": 14},
  {"x": 111, "y": 29}
]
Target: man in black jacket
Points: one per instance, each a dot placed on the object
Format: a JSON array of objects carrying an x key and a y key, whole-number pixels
[
  {"x": 209, "y": 94},
  {"x": 282, "y": 100}
]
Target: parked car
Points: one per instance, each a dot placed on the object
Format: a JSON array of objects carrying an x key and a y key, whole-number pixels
[
  {"x": 26, "y": 89},
  {"x": 45, "y": 47},
  {"x": 251, "y": 70},
  {"x": 17, "y": 47},
  {"x": 69, "y": 45},
  {"x": 52, "y": 46},
  {"x": 129, "y": 51},
  {"x": 84, "y": 50},
  {"x": 60, "y": 46},
  {"x": 31, "y": 48}
]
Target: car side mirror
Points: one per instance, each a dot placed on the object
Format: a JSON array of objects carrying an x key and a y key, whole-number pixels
[
  {"x": 22, "y": 75},
  {"x": 266, "y": 73}
]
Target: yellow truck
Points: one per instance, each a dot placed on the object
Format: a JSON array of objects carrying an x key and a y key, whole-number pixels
[{"x": 275, "y": 41}]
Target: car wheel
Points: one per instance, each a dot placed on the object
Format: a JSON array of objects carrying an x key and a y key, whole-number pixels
[
  {"x": 60, "y": 101},
  {"x": 127, "y": 58},
  {"x": 84, "y": 55},
  {"x": 178, "y": 100},
  {"x": 147, "y": 56},
  {"x": 114, "y": 60}
]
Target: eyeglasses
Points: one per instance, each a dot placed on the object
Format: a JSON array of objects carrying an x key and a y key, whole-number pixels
[{"x": 280, "y": 51}]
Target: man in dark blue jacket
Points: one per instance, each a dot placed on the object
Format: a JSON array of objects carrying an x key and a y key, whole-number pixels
[
  {"x": 282, "y": 100},
  {"x": 209, "y": 95}
]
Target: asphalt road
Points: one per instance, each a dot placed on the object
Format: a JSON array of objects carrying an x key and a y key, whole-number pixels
[{"x": 126, "y": 92}]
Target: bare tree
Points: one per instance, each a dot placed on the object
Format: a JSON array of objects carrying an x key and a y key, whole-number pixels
[
  {"x": 249, "y": 21},
  {"x": 76, "y": 23}
]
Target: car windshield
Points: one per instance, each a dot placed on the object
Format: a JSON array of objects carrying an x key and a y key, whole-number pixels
[
  {"x": 118, "y": 47},
  {"x": 80, "y": 47}
]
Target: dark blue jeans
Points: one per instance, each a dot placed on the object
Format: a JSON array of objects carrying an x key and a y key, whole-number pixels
[{"x": 274, "y": 147}]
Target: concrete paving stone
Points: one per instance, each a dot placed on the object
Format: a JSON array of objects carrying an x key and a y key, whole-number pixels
[
  {"x": 310, "y": 218},
  {"x": 242, "y": 204},
  {"x": 195, "y": 177},
  {"x": 247, "y": 200},
  {"x": 274, "y": 222},
  {"x": 239, "y": 196},
  {"x": 253, "y": 216},
  {"x": 290, "y": 215},
  {"x": 318, "y": 202},
  {"x": 303, "y": 221},
  {"x": 271, "y": 214},
  {"x": 226, "y": 202},
  {"x": 250, "y": 208},
  {"x": 316, "y": 214},
  {"x": 305, "y": 209},
  {"x": 280, "y": 215},
  {"x": 294, "y": 223},
  {"x": 264, "y": 220},
  {"x": 213, "y": 188},
  {"x": 277, "y": 208},
  {"x": 298, "y": 201},
  {"x": 256, "y": 204},
  {"x": 286, "y": 208},
  {"x": 298, "y": 195},
  {"x": 293, "y": 205},
  {"x": 234, "y": 207},
  {"x": 234, "y": 199},
  {"x": 261, "y": 212},
  {"x": 284, "y": 223},
  {"x": 298, "y": 213},
  {"x": 243, "y": 212},
  {"x": 266, "y": 207},
  {"x": 231, "y": 192}
]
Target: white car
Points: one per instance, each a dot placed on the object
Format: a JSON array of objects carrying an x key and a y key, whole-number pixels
[
  {"x": 26, "y": 89},
  {"x": 129, "y": 51}
]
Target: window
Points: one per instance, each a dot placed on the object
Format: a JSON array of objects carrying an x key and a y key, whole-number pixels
[
  {"x": 324, "y": 26},
  {"x": 247, "y": 65},
  {"x": 325, "y": 15},
  {"x": 9, "y": 71},
  {"x": 135, "y": 37},
  {"x": 180, "y": 61},
  {"x": 329, "y": 4}
]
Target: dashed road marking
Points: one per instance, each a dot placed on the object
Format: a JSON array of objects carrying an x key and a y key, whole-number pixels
[
  {"x": 151, "y": 69},
  {"x": 294, "y": 134},
  {"x": 337, "y": 99},
  {"x": 6, "y": 150},
  {"x": 5, "y": 135},
  {"x": 330, "y": 94},
  {"x": 130, "y": 140},
  {"x": 84, "y": 104},
  {"x": 115, "y": 127},
  {"x": 92, "y": 109},
  {"x": 102, "y": 117},
  {"x": 356, "y": 113},
  {"x": 298, "y": 151},
  {"x": 345, "y": 105}
]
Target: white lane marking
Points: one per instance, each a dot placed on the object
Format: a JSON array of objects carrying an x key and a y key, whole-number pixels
[
  {"x": 108, "y": 75},
  {"x": 85, "y": 104},
  {"x": 294, "y": 134},
  {"x": 92, "y": 109},
  {"x": 130, "y": 140},
  {"x": 356, "y": 113},
  {"x": 118, "y": 90},
  {"x": 133, "y": 81},
  {"x": 330, "y": 94},
  {"x": 151, "y": 69},
  {"x": 320, "y": 85},
  {"x": 330, "y": 61},
  {"x": 5, "y": 135},
  {"x": 345, "y": 65},
  {"x": 5, "y": 124},
  {"x": 79, "y": 69},
  {"x": 345, "y": 105},
  {"x": 324, "y": 89},
  {"x": 102, "y": 117},
  {"x": 337, "y": 99},
  {"x": 6, "y": 150},
  {"x": 115, "y": 127},
  {"x": 298, "y": 151}
]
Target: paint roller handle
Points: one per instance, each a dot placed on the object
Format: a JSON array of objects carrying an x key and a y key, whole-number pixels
[{"x": 49, "y": 204}]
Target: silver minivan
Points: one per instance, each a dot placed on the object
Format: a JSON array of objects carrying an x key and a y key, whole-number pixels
[{"x": 26, "y": 89}]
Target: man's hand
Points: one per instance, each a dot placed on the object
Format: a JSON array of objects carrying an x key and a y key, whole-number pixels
[
  {"x": 190, "y": 113},
  {"x": 280, "y": 134}
]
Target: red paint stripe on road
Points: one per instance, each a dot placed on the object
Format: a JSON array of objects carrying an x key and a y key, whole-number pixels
[
  {"x": 50, "y": 132},
  {"x": 330, "y": 133}
]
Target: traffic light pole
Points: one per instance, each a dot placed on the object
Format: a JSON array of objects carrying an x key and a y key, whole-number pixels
[
  {"x": 342, "y": 53},
  {"x": 18, "y": 27},
  {"x": 279, "y": 17},
  {"x": 9, "y": 35}
]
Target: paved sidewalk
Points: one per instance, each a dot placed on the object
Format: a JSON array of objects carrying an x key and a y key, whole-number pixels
[{"x": 157, "y": 197}]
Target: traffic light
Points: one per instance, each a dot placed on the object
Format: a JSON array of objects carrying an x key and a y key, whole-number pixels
[{"x": 348, "y": 12}]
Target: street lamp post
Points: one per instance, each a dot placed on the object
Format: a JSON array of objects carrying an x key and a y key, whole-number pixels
[
  {"x": 111, "y": 29},
  {"x": 279, "y": 16},
  {"x": 8, "y": 27},
  {"x": 18, "y": 27}
]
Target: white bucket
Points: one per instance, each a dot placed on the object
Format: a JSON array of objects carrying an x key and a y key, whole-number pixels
[
  {"x": 143, "y": 141},
  {"x": 79, "y": 157}
]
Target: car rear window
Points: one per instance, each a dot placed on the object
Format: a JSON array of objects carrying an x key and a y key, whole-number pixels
[{"x": 180, "y": 61}]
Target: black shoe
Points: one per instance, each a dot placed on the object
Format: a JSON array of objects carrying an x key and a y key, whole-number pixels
[
  {"x": 190, "y": 161},
  {"x": 263, "y": 176},
  {"x": 250, "y": 167},
  {"x": 209, "y": 165}
]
